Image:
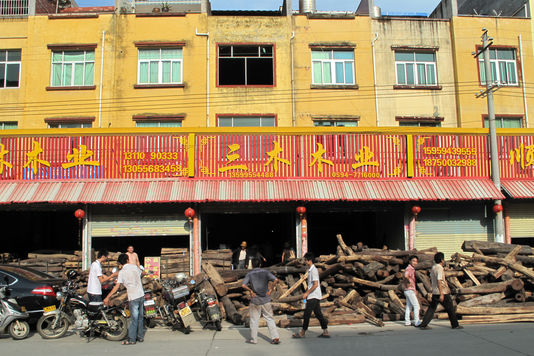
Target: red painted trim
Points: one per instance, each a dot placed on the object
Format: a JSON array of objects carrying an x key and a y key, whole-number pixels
[
  {"x": 158, "y": 86},
  {"x": 162, "y": 14},
  {"x": 72, "y": 16},
  {"x": 84, "y": 87},
  {"x": 246, "y": 44},
  {"x": 72, "y": 47},
  {"x": 417, "y": 87},
  {"x": 70, "y": 119},
  {"x": 217, "y": 116},
  {"x": 158, "y": 44}
]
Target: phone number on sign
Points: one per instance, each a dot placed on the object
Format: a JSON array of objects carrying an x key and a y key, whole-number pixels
[
  {"x": 176, "y": 169},
  {"x": 464, "y": 151},
  {"x": 251, "y": 174},
  {"x": 437, "y": 162},
  {"x": 355, "y": 174},
  {"x": 151, "y": 155}
]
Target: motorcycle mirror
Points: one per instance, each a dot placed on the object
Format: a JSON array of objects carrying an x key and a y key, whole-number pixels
[{"x": 114, "y": 270}]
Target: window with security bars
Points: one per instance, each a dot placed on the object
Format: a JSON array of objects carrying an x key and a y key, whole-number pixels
[
  {"x": 506, "y": 122},
  {"x": 160, "y": 66},
  {"x": 247, "y": 121},
  {"x": 335, "y": 123},
  {"x": 7, "y": 125},
  {"x": 70, "y": 125},
  {"x": 333, "y": 67},
  {"x": 503, "y": 64},
  {"x": 156, "y": 123},
  {"x": 413, "y": 123},
  {"x": 73, "y": 68},
  {"x": 10, "y": 68},
  {"x": 246, "y": 65},
  {"x": 416, "y": 68}
]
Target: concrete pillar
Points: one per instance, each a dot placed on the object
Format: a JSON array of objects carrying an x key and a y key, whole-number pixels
[{"x": 196, "y": 246}]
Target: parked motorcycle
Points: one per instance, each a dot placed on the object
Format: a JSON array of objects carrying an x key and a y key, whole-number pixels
[
  {"x": 89, "y": 318},
  {"x": 150, "y": 310},
  {"x": 12, "y": 318},
  {"x": 176, "y": 310},
  {"x": 208, "y": 310}
]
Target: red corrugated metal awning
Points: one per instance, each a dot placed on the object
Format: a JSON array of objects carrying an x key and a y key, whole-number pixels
[
  {"x": 520, "y": 189},
  {"x": 169, "y": 190}
]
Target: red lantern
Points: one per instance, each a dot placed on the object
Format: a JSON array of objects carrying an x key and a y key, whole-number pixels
[
  {"x": 416, "y": 209},
  {"x": 301, "y": 210},
  {"x": 189, "y": 213},
  {"x": 79, "y": 214},
  {"x": 497, "y": 208}
]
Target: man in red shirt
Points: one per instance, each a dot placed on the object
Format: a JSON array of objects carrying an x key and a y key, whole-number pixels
[{"x": 410, "y": 293}]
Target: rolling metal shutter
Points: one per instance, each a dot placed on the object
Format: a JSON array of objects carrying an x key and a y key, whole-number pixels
[
  {"x": 117, "y": 225},
  {"x": 448, "y": 228},
  {"x": 521, "y": 219}
]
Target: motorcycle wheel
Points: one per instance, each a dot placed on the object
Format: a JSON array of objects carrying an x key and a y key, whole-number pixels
[
  {"x": 45, "y": 329},
  {"x": 19, "y": 330},
  {"x": 218, "y": 325},
  {"x": 121, "y": 331}
]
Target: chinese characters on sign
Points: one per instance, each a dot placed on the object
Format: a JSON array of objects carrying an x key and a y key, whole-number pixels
[{"x": 524, "y": 155}]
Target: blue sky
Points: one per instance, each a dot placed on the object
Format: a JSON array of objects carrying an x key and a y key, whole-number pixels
[{"x": 393, "y": 6}]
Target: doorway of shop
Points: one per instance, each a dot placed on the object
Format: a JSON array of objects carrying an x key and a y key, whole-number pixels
[
  {"x": 145, "y": 246},
  {"x": 265, "y": 233},
  {"x": 375, "y": 229}
]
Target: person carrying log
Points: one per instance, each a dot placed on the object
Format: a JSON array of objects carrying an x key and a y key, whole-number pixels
[
  {"x": 312, "y": 297},
  {"x": 408, "y": 285},
  {"x": 260, "y": 304},
  {"x": 132, "y": 256},
  {"x": 440, "y": 294},
  {"x": 130, "y": 276},
  {"x": 288, "y": 254},
  {"x": 96, "y": 277}
]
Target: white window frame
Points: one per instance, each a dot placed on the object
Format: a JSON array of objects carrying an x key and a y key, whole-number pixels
[
  {"x": 336, "y": 123},
  {"x": 6, "y": 62},
  {"x": 3, "y": 125},
  {"x": 501, "y": 119},
  {"x": 160, "y": 62},
  {"x": 416, "y": 63},
  {"x": 417, "y": 123},
  {"x": 496, "y": 68},
  {"x": 233, "y": 118},
  {"x": 73, "y": 66},
  {"x": 158, "y": 123},
  {"x": 80, "y": 125},
  {"x": 333, "y": 67}
]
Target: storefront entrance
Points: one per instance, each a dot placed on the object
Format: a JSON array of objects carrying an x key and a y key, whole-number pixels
[{"x": 265, "y": 232}]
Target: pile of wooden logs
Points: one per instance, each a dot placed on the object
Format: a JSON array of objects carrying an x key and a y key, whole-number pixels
[
  {"x": 495, "y": 284},
  {"x": 220, "y": 259},
  {"x": 174, "y": 260}
]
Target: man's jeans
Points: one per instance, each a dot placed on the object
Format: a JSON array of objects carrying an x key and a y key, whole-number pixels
[
  {"x": 411, "y": 303},
  {"x": 136, "y": 330}
]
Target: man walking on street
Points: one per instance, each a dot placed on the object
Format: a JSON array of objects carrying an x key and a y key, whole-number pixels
[
  {"x": 130, "y": 276},
  {"x": 440, "y": 294},
  {"x": 410, "y": 293},
  {"x": 260, "y": 304},
  {"x": 312, "y": 298},
  {"x": 96, "y": 277}
]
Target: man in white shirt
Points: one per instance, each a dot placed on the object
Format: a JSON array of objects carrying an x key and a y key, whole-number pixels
[
  {"x": 312, "y": 298},
  {"x": 130, "y": 276},
  {"x": 96, "y": 277}
]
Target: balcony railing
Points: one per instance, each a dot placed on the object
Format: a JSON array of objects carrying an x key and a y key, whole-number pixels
[{"x": 15, "y": 8}]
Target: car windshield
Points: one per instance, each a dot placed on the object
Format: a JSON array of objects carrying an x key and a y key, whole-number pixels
[{"x": 31, "y": 275}]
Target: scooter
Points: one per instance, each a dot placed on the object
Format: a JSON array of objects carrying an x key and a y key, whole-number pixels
[{"x": 12, "y": 318}]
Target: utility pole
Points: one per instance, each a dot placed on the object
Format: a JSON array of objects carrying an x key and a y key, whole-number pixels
[{"x": 494, "y": 150}]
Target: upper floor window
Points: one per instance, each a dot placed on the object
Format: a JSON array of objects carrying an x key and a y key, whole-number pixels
[
  {"x": 503, "y": 67},
  {"x": 246, "y": 65},
  {"x": 158, "y": 123},
  {"x": 70, "y": 125},
  {"x": 416, "y": 68},
  {"x": 6, "y": 125},
  {"x": 418, "y": 121},
  {"x": 73, "y": 68},
  {"x": 10, "y": 68},
  {"x": 160, "y": 66},
  {"x": 247, "y": 121},
  {"x": 506, "y": 122},
  {"x": 333, "y": 67},
  {"x": 335, "y": 123}
]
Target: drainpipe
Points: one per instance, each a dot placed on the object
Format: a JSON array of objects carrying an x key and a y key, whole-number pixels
[
  {"x": 523, "y": 81},
  {"x": 293, "y": 112},
  {"x": 374, "y": 77},
  {"x": 207, "y": 34},
  {"x": 101, "y": 80}
]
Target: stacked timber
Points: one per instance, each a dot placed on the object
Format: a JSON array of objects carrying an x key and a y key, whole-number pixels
[
  {"x": 174, "y": 260},
  {"x": 220, "y": 259}
]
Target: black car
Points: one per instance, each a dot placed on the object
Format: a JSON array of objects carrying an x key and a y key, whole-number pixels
[{"x": 33, "y": 290}]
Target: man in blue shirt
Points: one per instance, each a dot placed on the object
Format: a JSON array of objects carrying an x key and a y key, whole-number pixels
[{"x": 260, "y": 304}]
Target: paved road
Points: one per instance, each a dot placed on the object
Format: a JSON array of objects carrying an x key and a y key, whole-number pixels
[{"x": 361, "y": 339}]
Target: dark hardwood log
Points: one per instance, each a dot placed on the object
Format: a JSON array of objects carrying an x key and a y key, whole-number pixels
[
  {"x": 330, "y": 270},
  {"x": 215, "y": 278},
  {"x": 488, "y": 288},
  {"x": 493, "y": 248},
  {"x": 483, "y": 299},
  {"x": 231, "y": 312},
  {"x": 347, "y": 250}
]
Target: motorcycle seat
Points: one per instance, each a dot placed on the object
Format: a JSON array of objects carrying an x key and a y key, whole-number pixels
[{"x": 95, "y": 305}]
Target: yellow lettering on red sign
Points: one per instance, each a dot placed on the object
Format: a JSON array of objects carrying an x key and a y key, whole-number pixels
[
  {"x": 32, "y": 157},
  {"x": 3, "y": 162},
  {"x": 232, "y": 157},
  {"x": 79, "y": 157},
  {"x": 365, "y": 158},
  {"x": 523, "y": 155},
  {"x": 318, "y": 158},
  {"x": 275, "y": 156}
]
